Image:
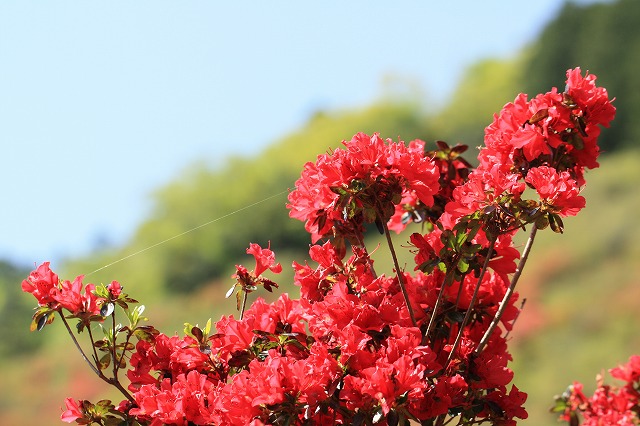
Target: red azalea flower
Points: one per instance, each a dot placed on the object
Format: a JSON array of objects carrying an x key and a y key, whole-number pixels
[
  {"x": 115, "y": 289},
  {"x": 41, "y": 283},
  {"x": 629, "y": 372},
  {"x": 594, "y": 100},
  {"x": 71, "y": 297},
  {"x": 555, "y": 129},
  {"x": 265, "y": 259},
  {"x": 486, "y": 188},
  {"x": 511, "y": 404},
  {"x": 558, "y": 191},
  {"x": 73, "y": 411},
  {"x": 361, "y": 183}
]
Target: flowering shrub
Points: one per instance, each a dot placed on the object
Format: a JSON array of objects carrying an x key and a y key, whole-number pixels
[
  {"x": 426, "y": 344},
  {"x": 611, "y": 405}
]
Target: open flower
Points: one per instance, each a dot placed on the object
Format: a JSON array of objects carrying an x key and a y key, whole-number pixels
[
  {"x": 41, "y": 284},
  {"x": 362, "y": 183},
  {"x": 558, "y": 192}
]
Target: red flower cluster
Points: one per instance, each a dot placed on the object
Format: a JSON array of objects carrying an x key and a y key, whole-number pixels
[
  {"x": 357, "y": 347},
  {"x": 55, "y": 294},
  {"x": 610, "y": 405},
  {"x": 349, "y": 352},
  {"x": 362, "y": 183},
  {"x": 556, "y": 129}
]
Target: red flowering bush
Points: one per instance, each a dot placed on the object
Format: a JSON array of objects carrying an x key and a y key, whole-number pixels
[
  {"x": 611, "y": 405},
  {"x": 426, "y": 344}
]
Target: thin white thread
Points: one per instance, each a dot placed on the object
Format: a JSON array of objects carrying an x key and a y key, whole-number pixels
[{"x": 184, "y": 233}]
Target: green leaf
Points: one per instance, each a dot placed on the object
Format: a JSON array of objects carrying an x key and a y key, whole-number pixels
[
  {"x": 463, "y": 265},
  {"x": 559, "y": 406},
  {"x": 187, "y": 329},
  {"x": 101, "y": 291},
  {"x": 43, "y": 316},
  {"x": 135, "y": 315},
  {"x": 104, "y": 405},
  {"x": 145, "y": 333}
]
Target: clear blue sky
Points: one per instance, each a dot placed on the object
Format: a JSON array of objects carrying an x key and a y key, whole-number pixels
[{"x": 102, "y": 102}]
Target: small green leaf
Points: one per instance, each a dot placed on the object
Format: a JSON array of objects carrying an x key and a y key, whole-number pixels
[
  {"x": 463, "y": 265},
  {"x": 207, "y": 328},
  {"x": 135, "y": 315},
  {"x": 104, "y": 404},
  {"x": 187, "y": 328},
  {"x": 559, "y": 406},
  {"x": 101, "y": 291}
]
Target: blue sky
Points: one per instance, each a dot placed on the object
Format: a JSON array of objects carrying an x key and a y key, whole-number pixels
[{"x": 102, "y": 102}]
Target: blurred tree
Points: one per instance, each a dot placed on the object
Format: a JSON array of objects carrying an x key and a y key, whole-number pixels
[{"x": 16, "y": 309}]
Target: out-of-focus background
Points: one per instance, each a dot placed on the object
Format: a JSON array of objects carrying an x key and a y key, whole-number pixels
[{"x": 126, "y": 124}]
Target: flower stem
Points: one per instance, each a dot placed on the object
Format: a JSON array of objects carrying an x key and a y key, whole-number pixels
[
  {"x": 510, "y": 290},
  {"x": 75, "y": 342},
  {"x": 114, "y": 352},
  {"x": 245, "y": 295},
  {"x": 436, "y": 306},
  {"x": 492, "y": 243},
  {"x": 399, "y": 273},
  {"x": 112, "y": 381}
]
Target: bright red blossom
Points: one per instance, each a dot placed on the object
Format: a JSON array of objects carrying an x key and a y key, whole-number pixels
[
  {"x": 73, "y": 411},
  {"x": 265, "y": 259},
  {"x": 366, "y": 180},
  {"x": 71, "y": 297},
  {"x": 558, "y": 192},
  {"x": 41, "y": 284}
]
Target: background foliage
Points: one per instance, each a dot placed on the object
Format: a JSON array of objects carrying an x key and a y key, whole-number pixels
[{"x": 581, "y": 288}]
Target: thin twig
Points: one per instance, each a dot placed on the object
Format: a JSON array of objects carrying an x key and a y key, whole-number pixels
[
  {"x": 510, "y": 290},
  {"x": 436, "y": 306},
  {"x": 114, "y": 352},
  {"x": 492, "y": 243},
  {"x": 245, "y": 295},
  {"x": 75, "y": 341},
  {"x": 399, "y": 274},
  {"x": 516, "y": 318},
  {"x": 95, "y": 352},
  {"x": 112, "y": 381}
]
